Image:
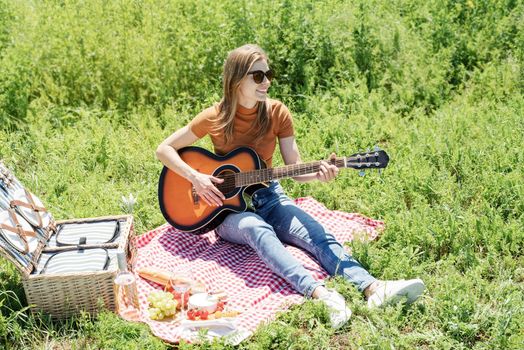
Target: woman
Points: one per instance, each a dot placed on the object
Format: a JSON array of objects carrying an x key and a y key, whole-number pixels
[{"x": 247, "y": 117}]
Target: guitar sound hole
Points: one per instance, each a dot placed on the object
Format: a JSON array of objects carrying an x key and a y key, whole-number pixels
[{"x": 227, "y": 187}]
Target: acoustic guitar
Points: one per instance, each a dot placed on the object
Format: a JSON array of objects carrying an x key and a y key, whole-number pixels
[{"x": 243, "y": 172}]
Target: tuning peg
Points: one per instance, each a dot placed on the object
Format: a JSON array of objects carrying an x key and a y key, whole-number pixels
[
  {"x": 376, "y": 148},
  {"x": 361, "y": 172},
  {"x": 379, "y": 172}
]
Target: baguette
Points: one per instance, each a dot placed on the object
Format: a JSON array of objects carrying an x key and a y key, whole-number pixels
[
  {"x": 160, "y": 276},
  {"x": 155, "y": 274}
]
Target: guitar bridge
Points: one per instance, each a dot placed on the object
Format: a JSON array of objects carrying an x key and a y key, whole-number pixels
[{"x": 195, "y": 195}]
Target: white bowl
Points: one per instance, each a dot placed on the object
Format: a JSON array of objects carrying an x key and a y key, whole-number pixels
[{"x": 203, "y": 301}]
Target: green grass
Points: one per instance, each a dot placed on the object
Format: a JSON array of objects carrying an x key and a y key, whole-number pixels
[{"x": 89, "y": 89}]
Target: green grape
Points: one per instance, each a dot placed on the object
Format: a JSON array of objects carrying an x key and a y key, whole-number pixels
[
  {"x": 153, "y": 313},
  {"x": 162, "y": 304}
]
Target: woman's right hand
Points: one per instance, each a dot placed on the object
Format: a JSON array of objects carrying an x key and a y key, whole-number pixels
[{"x": 205, "y": 187}]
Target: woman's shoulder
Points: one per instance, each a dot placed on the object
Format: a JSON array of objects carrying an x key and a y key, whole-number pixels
[
  {"x": 209, "y": 113},
  {"x": 211, "y": 110},
  {"x": 205, "y": 121},
  {"x": 206, "y": 117},
  {"x": 276, "y": 103},
  {"x": 278, "y": 108}
]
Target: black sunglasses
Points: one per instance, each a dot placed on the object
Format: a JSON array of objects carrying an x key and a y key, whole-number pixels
[{"x": 258, "y": 75}]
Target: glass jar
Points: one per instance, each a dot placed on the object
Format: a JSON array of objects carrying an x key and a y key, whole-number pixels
[{"x": 125, "y": 290}]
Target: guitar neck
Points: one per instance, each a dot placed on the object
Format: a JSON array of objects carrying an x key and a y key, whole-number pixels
[{"x": 264, "y": 175}]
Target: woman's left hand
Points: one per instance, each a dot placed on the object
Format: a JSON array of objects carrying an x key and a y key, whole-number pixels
[{"x": 327, "y": 171}]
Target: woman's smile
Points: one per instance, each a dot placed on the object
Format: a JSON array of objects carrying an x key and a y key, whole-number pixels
[{"x": 250, "y": 92}]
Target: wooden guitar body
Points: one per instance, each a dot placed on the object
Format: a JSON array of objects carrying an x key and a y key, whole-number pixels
[{"x": 182, "y": 207}]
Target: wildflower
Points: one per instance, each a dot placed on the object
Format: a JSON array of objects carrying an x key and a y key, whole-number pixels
[{"x": 128, "y": 203}]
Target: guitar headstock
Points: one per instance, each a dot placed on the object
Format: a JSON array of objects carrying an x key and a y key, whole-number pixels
[{"x": 376, "y": 159}]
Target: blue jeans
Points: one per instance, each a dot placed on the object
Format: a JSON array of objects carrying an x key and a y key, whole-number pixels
[{"x": 277, "y": 220}]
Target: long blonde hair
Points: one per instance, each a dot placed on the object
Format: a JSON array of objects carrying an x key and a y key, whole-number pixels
[{"x": 237, "y": 65}]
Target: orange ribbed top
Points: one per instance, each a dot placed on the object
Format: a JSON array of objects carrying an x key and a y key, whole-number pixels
[{"x": 282, "y": 126}]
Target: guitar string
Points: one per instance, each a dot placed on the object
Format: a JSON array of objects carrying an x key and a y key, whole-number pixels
[
  {"x": 263, "y": 175},
  {"x": 268, "y": 174}
]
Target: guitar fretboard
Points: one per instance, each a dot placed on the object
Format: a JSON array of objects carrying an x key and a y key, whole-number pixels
[{"x": 264, "y": 175}]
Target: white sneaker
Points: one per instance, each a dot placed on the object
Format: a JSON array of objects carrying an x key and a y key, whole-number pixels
[
  {"x": 339, "y": 314},
  {"x": 389, "y": 292}
]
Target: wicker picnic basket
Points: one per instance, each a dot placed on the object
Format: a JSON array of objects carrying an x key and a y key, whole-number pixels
[
  {"x": 48, "y": 289},
  {"x": 65, "y": 294}
]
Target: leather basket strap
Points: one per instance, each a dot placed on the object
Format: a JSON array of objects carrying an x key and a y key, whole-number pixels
[
  {"x": 31, "y": 205},
  {"x": 18, "y": 230}
]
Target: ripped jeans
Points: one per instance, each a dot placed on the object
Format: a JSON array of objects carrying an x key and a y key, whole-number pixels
[{"x": 277, "y": 220}]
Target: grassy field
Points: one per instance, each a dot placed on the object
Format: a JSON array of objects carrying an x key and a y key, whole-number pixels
[{"x": 88, "y": 89}]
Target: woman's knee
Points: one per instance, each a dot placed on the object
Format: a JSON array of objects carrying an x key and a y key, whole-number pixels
[
  {"x": 256, "y": 231},
  {"x": 311, "y": 232},
  {"x": 236, "y": 227},
  {"x": 250, "y": 221}
]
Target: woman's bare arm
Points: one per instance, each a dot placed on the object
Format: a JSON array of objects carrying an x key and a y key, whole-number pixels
[
  {"x": 167, "y": 153},
  {"x": 291, "y": 155}
]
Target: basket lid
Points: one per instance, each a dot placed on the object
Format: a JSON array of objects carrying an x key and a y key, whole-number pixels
[
  {"x": 26, "y": 223},
  {"x": 19, "y": 241}
]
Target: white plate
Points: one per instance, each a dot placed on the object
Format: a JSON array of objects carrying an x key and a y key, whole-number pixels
[
  {"x": 203, "y": 301},
  {"x": 221, "y": 322},
  {"x": 31, "y": 215}
]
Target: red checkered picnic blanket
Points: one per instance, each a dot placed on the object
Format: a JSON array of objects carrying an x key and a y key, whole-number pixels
[{"x": 222, "y": 266}]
